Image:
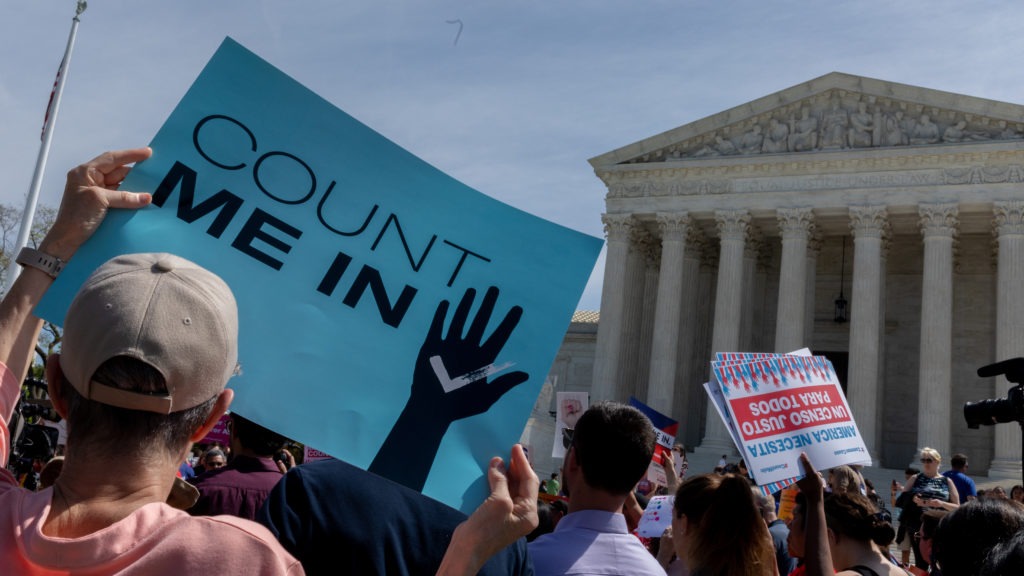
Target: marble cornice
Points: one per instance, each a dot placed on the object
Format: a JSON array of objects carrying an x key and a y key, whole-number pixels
[
  {"x": 1000, "y": 151},
  {"x": 930, "y": 172},
  {"x": 817, "y": 164}
]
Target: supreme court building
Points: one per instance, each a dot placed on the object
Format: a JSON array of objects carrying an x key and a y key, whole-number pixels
[{"x": 750, "y": 229}]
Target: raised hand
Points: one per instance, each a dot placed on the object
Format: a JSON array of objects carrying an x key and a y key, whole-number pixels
[
  {"x": 451, "y": 380},
  {"x": 452, "y": 370},
  {"x": 91, "y": 190},
  {"x": 509, "y": 513}
]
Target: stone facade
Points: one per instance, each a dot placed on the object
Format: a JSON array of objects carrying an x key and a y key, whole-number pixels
[{"x": 739, "y": 231}]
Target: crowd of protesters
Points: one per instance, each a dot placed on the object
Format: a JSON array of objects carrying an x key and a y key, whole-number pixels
[{"x": 130, "y": 393}]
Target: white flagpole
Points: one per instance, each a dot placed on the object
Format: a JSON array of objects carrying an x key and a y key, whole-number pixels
[{"x": 13, "y": 269}]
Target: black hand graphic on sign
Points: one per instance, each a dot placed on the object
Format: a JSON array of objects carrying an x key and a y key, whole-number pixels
[
  {"x": 464, "y": 360},
  {"x": 450, "y": 382}
]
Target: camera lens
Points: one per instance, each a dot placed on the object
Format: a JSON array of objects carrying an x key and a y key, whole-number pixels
[{"x": 989, "y": 412}]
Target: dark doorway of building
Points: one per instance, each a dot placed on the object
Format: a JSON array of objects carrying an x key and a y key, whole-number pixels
[{"x": 840, "y": 362}]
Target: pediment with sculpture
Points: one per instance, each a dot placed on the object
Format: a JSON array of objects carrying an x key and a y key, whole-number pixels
[{"x": 837, "y": 119}]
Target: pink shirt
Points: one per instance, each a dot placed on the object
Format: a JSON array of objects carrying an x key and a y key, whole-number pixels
[{"x": 156, "y": 539}]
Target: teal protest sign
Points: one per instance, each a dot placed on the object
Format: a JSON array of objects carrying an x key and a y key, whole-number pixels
[{"x": 389, "y": 315}]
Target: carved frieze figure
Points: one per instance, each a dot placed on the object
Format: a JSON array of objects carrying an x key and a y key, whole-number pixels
[
  {"x": 924, "y": 132},
  {"x": 704, "y": 152},
  {"x": 776, "y": 140},
  {"x": 892, "y": 129},
  {"x": 803, "y": 132},
  {"x": 1008, "y": 132},
  {"x": 721, "y": 147},
  {"x": 862, "y": 127},
  {"x": 725, "y": 146},
  {"x": 955, "y": 133},
  {"x": 958, "y": 133},
  {"x": 834, "y": 126},
  {"x": 751, "y": 141},
  {"x": 977, "y": 134},
  {"x": 839, "y": 128}
]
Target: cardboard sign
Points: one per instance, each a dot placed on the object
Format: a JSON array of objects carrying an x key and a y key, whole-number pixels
[
  {"x": 679, "y": 462},
  {"x": 781, "y": 406},
  {"x": 657, "y": 517},
  {"x": 666, "y": 429},
  {"x": 714, "y": 390},
  {"x": 312, "y": 455},
  {"x": 787, "y": 501},
  {"x": 570, "y": 406},
  {"x": 389, "y": 314},
  {"x": 221, "y": 433}
]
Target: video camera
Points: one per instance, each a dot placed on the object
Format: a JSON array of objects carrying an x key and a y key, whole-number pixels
[{"x": 999, "y": 410}]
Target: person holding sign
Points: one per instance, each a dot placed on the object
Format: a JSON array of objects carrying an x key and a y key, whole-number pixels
[
  {"x": 150, "y": 342},
  {"x": 842, "y": 530}
]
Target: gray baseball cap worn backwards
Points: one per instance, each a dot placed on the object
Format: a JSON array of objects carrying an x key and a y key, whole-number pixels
[{"x": 163, "y": 310}]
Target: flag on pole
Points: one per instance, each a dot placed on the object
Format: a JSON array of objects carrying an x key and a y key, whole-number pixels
[
  {"x": 52, "y": 108},
  {"x": 49, "y": 105}
]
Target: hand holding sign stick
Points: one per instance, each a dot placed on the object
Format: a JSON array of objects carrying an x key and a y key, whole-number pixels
[{"x": 450, "y": 382}]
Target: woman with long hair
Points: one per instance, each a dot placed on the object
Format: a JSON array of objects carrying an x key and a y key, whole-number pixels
[
  {"x": 717, "y": 528},
  {"x": 844, "y": 532}
]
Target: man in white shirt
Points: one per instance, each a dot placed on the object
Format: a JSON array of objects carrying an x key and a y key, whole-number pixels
[{"x": 611, "y": 448}]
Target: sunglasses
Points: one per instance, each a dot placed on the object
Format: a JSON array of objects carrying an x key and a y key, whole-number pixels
[{"x": 927, "y": 460}]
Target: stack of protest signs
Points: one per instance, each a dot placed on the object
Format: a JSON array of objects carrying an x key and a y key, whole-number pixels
[{"x": 776, "y": 406}]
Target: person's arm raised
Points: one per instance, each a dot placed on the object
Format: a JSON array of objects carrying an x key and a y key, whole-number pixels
[
  {"x": 817, "y": 556},
  {"x": 508, "y": 514},
  {"x": 91, "y": 190}
]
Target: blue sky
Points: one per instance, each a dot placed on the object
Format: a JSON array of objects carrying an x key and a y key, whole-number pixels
[{"x": 531, "y": 90}]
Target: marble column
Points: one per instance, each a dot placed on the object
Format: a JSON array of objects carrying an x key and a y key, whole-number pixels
[
  {"x": 795, "y": 226},
  {"x": 733, "y": 227},
  {"x": 883, "y": 273},
  {"x": 938, "y": 226},
  {"x": 609, "y": 329},
  {"x": 685, "y": 399},
  {"x": 752, "y": 250},
  {"x": 811, "y": 290},
  {"x": 1009, "y": 222},
  {"x": 665, "y": 340},
  {"x": 700, "y": 368},
  {"x": 650, "y": 300},
  {"x": 868, "y": 224},
  {"x": 640, "y": 244}
]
